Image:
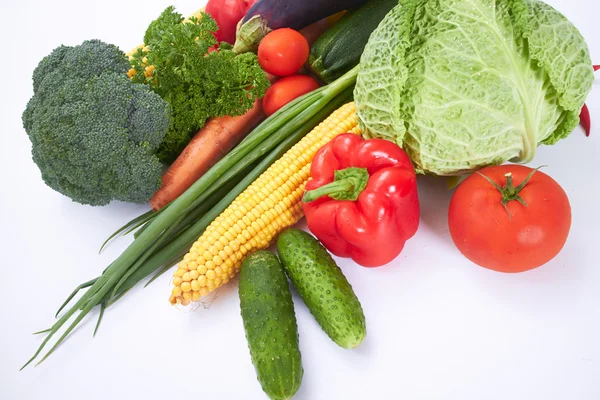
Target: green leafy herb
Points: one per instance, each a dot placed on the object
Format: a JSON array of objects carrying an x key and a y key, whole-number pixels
[{"x": 181, "y": 63}]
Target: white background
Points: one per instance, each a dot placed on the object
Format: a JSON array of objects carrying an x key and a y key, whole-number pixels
[{"x": 439, "y": 327}]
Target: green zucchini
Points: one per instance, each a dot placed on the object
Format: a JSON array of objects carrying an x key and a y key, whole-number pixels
[
  {"x": 270, "y": 324},
  {"x": 338, "y": 50},
  {"x": 323, "y": 287}
]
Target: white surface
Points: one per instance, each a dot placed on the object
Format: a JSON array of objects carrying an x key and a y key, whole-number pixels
[{"x": 438, "y": 326}]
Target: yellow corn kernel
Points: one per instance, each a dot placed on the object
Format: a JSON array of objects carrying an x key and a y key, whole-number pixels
[
  {"x": 270, "y": 204},
  {"x": 186, "y": 287},
  {"x": 179, "y": 273}
]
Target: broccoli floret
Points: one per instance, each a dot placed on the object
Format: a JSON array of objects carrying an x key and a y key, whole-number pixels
[{"x": 94, "y": 133}]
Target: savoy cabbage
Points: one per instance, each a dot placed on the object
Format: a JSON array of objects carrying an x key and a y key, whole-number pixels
[{"x": 460, "y": 84}]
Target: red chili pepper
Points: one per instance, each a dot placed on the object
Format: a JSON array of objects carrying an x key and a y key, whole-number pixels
[
  {"x": 362, "y": 199},
  {"x": 584, "y": 117},
  {"x": 584, "y": 120}
]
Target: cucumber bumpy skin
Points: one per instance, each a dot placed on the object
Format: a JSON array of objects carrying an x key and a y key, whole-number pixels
[
  {"x": 323, "y": 287},
  {"x": 270, "y": 324}
]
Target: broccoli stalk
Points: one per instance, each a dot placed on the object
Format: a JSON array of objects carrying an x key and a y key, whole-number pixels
[{"x": 94, "y": 133}]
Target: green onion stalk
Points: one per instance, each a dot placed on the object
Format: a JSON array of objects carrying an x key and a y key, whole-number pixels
[{"x": 164, "y": 237}]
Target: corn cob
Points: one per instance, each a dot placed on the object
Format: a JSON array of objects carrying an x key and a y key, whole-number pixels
[{"x": 269, "y": 205}]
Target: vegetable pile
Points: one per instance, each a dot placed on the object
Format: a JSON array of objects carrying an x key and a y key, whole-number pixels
[
  {"x": 270, "y": 204},
  {"x": 253, "y": 142}
]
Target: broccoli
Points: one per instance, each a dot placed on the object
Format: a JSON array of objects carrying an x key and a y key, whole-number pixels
[{"x": 94, "y": 133}]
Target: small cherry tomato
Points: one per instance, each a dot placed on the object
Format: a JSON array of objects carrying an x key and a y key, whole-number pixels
[
  {"x": 287, "y": 89},
  {"x": 283, "y": 52},
  {"x": 509, "y": 218}
]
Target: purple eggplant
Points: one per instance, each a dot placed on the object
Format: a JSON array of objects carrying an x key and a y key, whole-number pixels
[{"x": 297, "y": 14}]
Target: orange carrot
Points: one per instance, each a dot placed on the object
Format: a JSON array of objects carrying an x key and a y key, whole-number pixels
[{"x": 209, "y": 145}]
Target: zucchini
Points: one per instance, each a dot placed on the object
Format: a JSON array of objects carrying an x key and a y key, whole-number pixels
[
  {"x": 323, "y": 287},
  {"x": 270, "y": 324},
  {"x": 338, "y": 50}
]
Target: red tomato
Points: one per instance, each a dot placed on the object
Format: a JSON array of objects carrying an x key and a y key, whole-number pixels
[
  {"x": 287, "y": 89},
  {"x": 283, "y": 52},
  {"x": 516, "y": 238},
  {"x": 227, "y": 14}
]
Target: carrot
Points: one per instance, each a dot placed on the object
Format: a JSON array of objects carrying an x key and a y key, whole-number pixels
[{"x": 209, "y": 145}]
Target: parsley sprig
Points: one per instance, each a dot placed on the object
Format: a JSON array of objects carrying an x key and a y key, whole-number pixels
[{"x": 182, "y": 63}]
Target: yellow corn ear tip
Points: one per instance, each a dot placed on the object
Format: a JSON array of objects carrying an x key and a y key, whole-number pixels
[{"x": 270, "y": 204}]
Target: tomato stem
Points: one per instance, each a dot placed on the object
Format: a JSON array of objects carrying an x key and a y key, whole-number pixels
[{"x": 509, "y": 192}]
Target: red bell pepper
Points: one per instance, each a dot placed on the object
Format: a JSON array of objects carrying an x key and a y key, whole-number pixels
[
  {"x": 362, "y": 199},
  {"x": 227, "y": 14}
]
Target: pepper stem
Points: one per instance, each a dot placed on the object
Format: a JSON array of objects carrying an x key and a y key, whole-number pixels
[{"x": 347, "y": 185}]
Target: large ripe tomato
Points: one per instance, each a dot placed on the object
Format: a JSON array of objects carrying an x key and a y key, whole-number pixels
[
  {"x": 287, "y": 89},
  {"x": 283, "y": 52},
  {"x": 506, "y": 229}
]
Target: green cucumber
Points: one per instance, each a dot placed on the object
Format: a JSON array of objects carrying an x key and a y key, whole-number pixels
[
  {"x": 270, "y": 324},
  {"x": 338, "y": 50},
  {"x": 323, "y": 287}
]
